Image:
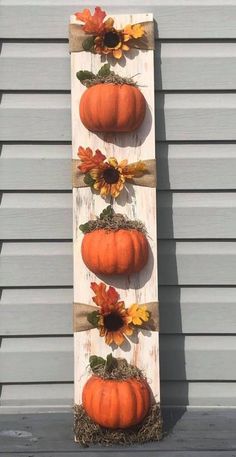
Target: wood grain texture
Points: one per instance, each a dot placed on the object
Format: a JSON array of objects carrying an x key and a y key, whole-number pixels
[
  {"x": 180, "y": 215},
  {"x": 179, "y": 117},
  {"x": 183, "y": 310},
  {"x": 50, "y": 359},
  {"x": 138, "y": 288},
  {"x": 178, "y": 66},
  {"x": 175, "y": 18},
  {"x": 179, "y": 167},
  {"x": 201, "y": 432}
]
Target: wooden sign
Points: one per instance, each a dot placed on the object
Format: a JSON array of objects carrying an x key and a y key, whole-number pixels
[{"x": 137, "y": 201}]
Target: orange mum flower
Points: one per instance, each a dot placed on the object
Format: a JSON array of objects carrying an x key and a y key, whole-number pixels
[{"x": 107, "y": 176}]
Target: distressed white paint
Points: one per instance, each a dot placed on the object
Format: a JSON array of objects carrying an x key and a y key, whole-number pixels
[{"x": 136, "y": 202}]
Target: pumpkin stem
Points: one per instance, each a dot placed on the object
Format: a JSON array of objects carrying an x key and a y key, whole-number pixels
[
  {"x": 104, "y": 75},
  {"x": 114, "y": 368},
  {"x": 110, "y": 220}
]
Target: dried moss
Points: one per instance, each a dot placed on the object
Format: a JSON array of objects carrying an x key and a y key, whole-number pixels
[
  {"x": 88, "y": 433},
  {"x": 122, "y": 370},
  {"x": 117, "y": 222},
  {"x": 111, "y": 79}
]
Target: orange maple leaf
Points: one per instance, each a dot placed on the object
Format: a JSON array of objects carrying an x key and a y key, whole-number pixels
[
  {"x": 92, "y": 23},
  {"x": 89, "y": 161},
  {"x": 103, "y": 298}
]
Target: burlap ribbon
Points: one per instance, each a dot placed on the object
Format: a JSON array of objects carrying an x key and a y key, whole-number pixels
[
  {"x": 147, "y": 180},
  {"x": 81, "y": 311},
  {"x": 77, "y": 36}
]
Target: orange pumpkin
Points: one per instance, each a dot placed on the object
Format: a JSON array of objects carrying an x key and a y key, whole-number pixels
[
  {"x": 117, "y": 252},
  {"x": 112, "y": 108},
  {"x": 116, "y": 403}
]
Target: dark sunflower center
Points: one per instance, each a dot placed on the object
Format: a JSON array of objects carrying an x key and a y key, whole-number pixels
[
  {"x": 113, "y": 322},
  {"x": 111, "y": 39},
  {"x": 111, "y": 175}
]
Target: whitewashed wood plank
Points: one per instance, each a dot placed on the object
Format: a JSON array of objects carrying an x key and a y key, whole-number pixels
[
  {"x": 179, "y": 117},
  {"x": 141, "y": 287},
  {"x": 23, "y": 312},
  {"x": 41, "y": 397},
  {"x": 179, "y": 166},
  {"x": 180, "y": 215},
  {"x": 197, "y": 358},
  {"x": 180, "y": 262},
  {"x": 179, "y": 66},
  {"x": 188, "y": 310},
  {"x": 175, "y": 18}
]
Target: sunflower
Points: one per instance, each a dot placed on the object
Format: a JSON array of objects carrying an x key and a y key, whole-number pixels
[
  {"x": 107, "y": 176},
  {"x": 106, "y": 39},
  {"x": 113, "y": 319}
]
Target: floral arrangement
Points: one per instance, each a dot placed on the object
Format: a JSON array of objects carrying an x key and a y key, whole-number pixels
[
  {"x": 113, "y": 320},
  {"x": 106, "y": 39},
  {"x": 106, "y": 175}
]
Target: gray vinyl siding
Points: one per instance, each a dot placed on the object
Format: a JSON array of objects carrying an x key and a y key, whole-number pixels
[{"x": 195, "y": 64}]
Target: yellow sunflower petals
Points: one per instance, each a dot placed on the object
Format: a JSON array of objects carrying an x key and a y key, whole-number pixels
[
  {"x": 125, "y": 47},
  {"x": 113, "y": 162},
  {"x": 117, "y": 53}
]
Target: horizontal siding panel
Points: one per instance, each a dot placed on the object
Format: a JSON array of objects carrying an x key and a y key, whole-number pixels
[
  {"x": 180, "y": 262},
  {"x": 36, "y": 264},
  {"x": 198, "y": 393},
  {"x": 23, "y": 312},
  {"x": 172, "y": 393},
  {"x": 175, "y": 19},
  {"x": 51, "y": 359},
  {"x": 35, "y": 395},
  {"x": 182, "y": 310},
  {"x": 197, "y": 310},
  {"x": 179, "y": 66},
  {"x": 179, "y": 117},
  {"x": 181, "y": 215},
  {"x": 37, "y": 167},
  {"x": 179, "y": 167}
]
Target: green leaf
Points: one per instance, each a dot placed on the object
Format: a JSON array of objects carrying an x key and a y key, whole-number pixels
[
  {"x": 104, "y": 70},
  {"x": 89, "y": 180},
  {"x": 107, "y": 212},
  {"x": 96, "y": 362},
  {"x": 93, "y": 318},
  {"x": 110, "y": 362},
  {"x": 88, "y": 43},
  {"x": 85, "y": 75},
  {"x": 85, "y": 227}
]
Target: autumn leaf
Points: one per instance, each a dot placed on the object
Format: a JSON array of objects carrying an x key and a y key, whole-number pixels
[
  {"x": 104, "y": 298},
  {"x": 92, "y": 23},
  {"x": 136, "y": 169},
  {"x": 134, "y": 31},
  {"x": 138, "y": 314},
  {"x": 88, "y": 159}
]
